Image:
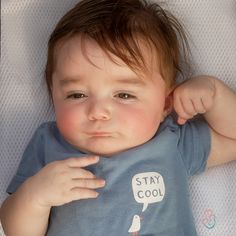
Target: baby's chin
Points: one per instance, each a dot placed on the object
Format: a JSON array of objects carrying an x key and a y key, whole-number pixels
[
  {"x": 107, "y": 147},
  {"x": 108, "y": 151}
]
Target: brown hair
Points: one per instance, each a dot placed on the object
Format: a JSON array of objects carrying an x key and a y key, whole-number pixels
[{"x": 117, "y": 25}]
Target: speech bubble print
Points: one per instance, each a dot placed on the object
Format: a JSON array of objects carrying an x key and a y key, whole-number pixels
[{"x": 148, "y": 188}]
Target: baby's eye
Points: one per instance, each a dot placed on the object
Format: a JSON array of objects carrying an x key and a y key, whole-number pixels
[
  {"x": 125, "y": 96},
  {"x": 76, "y": 96}
]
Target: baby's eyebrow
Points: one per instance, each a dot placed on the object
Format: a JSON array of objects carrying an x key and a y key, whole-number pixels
[
  {"x": 120, "y": 81},
  {"x": 67, "y": 81},
  {"x": 131, "y": 81}
]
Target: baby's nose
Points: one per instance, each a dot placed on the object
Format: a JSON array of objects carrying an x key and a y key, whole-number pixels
[{"x": 99, "y": 110}]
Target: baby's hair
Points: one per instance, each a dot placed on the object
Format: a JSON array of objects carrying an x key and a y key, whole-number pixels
[{"x": 118, "y": 26}]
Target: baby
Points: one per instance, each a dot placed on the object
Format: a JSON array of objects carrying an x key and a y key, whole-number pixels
[{"x": 117, "y": 160}]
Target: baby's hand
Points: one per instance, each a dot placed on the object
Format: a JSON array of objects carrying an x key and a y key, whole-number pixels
[
  {"x": 64, "y": 181},
  {"x": 194, "y": 96}
]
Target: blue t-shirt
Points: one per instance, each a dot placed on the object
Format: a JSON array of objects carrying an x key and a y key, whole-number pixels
[{"x": 146, "y": 187}]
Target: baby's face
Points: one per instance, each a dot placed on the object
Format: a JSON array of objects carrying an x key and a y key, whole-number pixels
[{"x": 101, "y": 107}]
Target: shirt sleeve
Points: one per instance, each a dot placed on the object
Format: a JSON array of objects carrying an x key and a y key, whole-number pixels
[
  {"x": 32, "y": 160},
  {"x": 194, "y": 145}
]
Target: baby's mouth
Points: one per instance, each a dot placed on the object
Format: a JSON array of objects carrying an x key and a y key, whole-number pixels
[{"x": 99, "y": 134}]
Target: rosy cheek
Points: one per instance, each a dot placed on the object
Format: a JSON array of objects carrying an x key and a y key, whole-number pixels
[
  {"x": 138, "y": 120},
  {"x": 66, "y": 119}
]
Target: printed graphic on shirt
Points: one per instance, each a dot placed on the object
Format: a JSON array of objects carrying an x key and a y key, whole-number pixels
[
  {"x": 148, "y": 188},
  {"x": 135, "y": 225}
]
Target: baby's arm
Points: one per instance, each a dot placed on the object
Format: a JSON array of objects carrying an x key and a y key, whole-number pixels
[
  {"x": 217, "y": 102},
  {"x": 26, "y": 212}
]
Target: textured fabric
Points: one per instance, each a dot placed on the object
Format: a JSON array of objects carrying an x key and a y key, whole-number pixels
[
  {"x": 25, "y": 28},
  {"x": 148, "y": 182}
]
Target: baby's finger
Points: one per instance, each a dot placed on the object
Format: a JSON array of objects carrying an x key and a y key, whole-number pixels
[
  {"x": 88, "y": 183},
  {"x": 77, "y": 173},
  {"x": 188, "y": 107},
  {"x": 199, "y": 106},
  {"x": 82, "y": 193},
  {"x": 181, "y": 121},
  {"x": 179, "y": 108},
  {"x": 82, "y": 161}
]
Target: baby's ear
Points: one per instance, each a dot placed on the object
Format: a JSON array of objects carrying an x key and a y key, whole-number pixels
[{"x": 168, "y": 105}]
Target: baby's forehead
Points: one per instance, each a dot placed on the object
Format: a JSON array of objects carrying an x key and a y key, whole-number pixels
[
  {"x": 79, "y": 48},
  {"x": 78, "y": 51}
]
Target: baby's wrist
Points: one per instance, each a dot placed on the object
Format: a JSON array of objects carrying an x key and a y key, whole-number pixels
[{"x": 32, "y": 197}]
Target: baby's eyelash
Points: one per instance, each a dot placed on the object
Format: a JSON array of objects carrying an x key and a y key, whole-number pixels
[
  {"x": 76, "y": 96},
  {"x": 121, "y": 95},
  {"x": 125, "y": 96}
]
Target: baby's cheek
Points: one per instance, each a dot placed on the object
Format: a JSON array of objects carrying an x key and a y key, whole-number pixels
[
  {"x": 66, "y": 121},
  {"x": 139, "y": 122},
  {"x": 147, "y": 125}
]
